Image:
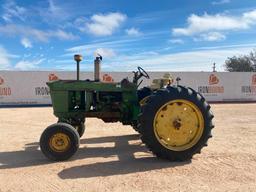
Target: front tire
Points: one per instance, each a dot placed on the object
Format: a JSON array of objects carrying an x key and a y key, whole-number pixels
[
  {"x": 59, "y": 141},
  {"x": 176, "y": 123},
  {"x": 80, "y": 128}
]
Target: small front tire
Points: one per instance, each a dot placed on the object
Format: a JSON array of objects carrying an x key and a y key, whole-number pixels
[
  {"x": 59, "y": 141},
  {"x": 80, "y": 128}
]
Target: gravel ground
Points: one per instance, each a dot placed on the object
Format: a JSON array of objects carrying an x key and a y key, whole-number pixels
[{"x": 112, "y": 158}]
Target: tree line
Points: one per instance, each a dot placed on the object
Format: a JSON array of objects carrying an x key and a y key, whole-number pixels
[{"x": 242, "y": 63}]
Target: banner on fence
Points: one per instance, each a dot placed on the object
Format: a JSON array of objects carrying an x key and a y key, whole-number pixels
[{"x": 29, "y": 88}]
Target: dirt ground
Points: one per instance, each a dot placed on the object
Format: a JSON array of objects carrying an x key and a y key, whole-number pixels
[{"x": 112, "y": 158}]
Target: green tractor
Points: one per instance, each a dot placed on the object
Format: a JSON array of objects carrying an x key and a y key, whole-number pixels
[{"x": 174, "y": 122}]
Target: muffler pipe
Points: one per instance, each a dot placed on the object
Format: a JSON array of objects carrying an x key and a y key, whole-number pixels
[{"x": 97, "y": 63}]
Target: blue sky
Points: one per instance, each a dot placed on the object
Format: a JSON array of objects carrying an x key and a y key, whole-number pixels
[{"x": 163, "y": 35}]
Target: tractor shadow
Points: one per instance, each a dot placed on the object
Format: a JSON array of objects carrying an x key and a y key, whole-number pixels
[
  {"x": 30, "y": 156},
  {"x": 125, "y": 161}
]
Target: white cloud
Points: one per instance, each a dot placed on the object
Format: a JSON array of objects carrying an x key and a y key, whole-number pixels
[
  {"x": 26, "y": 43},
  {"x": 198, "y": 24},
  {"x": 126, "y": 43},
  {"x": 250, "y": 17},
  {"x": 4, "y": 59},
  {"x": 220, "y": 2},
  {"x": 27, "y": 55},
  {"x": 53, "y": 8},
  {"x": 56, "y": 13},
  {"x": 12, "y": 10},
  {"x": 91, "y": 51},
  {"x": 146, "y": 53},
  {"x": 62, "y": 35},
  {"x": 133, "y": 32},
  {"x": 212, "y": 36},
  {"x": 104, "y": 24},
  {"x": 176, "y": 41},
  {"x": 232, "y": 46},
  {"x": 104, "y": 52},
  {"x": 197, "y": 60},
  {"x": 121, "y": 45},
  {"x": 117, "y": 44},
  {"x": 40, "y": 35},
  {"x": 28, "y": 64},
  {"x": 216, "y": 23}
]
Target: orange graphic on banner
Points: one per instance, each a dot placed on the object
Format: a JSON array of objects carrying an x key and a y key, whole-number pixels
[
  {"x": 213, "y": 79},
  {"x": 1, "y": 81},
  {"x": 107, "y": 78},
  {"x": 4, "y": 91},
  {"x": 254, "y": 79},
  {"x": 53, "y": 77}
]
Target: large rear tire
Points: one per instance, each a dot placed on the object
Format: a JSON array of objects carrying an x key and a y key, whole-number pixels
[
  {"x": 143, "y": 95},
  {"x": 59, "y": 141},
  {"x": 176, "y": 123}
]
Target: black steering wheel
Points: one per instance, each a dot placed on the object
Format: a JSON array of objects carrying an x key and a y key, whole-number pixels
[{"x": 143, "y": 72}]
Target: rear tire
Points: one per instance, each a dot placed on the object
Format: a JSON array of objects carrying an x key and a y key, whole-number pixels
[
  {"x": 143, "y": 96},
  {"x": 176, "y": 123},
  {"x": 59, "y": 141}
]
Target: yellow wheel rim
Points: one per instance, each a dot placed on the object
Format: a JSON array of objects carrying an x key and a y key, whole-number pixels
[
  {"x": 144, "y": 101},
  {"x": 178, "y": 125},
  {"x": 59, "y": 142}
]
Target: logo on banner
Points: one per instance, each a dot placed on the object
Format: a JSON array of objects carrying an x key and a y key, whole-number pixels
[
  {"x": 250, "y": 89},
  {"x": 45, "y": 91},
  {"x": 213, "y": 86},
  {"x": 53, "y": 77},
  {"x": 4, "y": 90},
  {"x": 107, "y": 78},
  {"x": 213, "y": 79},
  {"x": 42, "y": 91},
  {"x": 254, "y": 79},
  {"x": 1, "y": 81}
]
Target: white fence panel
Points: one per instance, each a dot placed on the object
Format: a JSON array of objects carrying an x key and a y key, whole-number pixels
[{"x": 29, "y": 88}]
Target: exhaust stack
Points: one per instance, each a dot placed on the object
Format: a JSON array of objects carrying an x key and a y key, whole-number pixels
[
  {"x": 78, "y": 58},
  {"x": 97, "y": 63}
]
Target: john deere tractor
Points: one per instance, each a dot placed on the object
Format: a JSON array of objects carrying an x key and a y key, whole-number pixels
[{"x": 174, "y": 122}]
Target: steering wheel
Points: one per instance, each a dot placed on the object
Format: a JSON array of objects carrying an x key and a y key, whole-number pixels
[{"x": 143, "y": 72}]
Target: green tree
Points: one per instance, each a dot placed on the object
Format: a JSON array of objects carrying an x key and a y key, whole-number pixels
[{"x": 244, "y": 63}]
